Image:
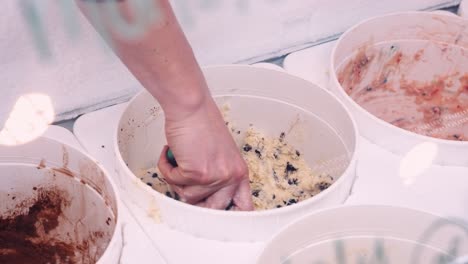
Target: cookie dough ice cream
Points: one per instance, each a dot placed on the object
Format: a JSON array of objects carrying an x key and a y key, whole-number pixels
[{"x": 279, "y": 175}]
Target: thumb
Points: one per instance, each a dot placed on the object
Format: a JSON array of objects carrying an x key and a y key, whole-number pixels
[{"x": 173, "y": 175}]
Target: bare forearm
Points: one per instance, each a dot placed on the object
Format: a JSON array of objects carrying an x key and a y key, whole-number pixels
[{"x": 161, "y": 59}]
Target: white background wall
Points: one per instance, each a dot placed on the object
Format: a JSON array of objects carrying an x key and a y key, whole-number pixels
[{"x": 82, "y": 75}]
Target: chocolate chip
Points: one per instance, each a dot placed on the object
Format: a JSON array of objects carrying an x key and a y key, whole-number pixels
[
  {"x": 255, "y": 193},
  {"x": 103, "y": 146},
  {"x": 35, "y": 188},
  {"x": 230, "y": 205},
  {"x": 279, "y": 206},
  {"x": 168, "y": 194},
  {"x": 457, "y": 136},
  {"x": 298, "y": 153},
  {"x": 155, "y": 175},
  {"x": 275, "y": 155},
  {"x": 259, "y": 154},
  {"x": 282, "y": 136},
  {"x": 293, "y": 181},
  {"x": 322, "y": 185},
  {"x": 436, "y": 110},
  {"x": 176, "y": 196},
  {"x": 290, "y": 168},
  {"x": 238, "y": 132},
  {"x": 368, "y": 88},
  {"x": 291, "y": 201},
  {"x": 274, "y": 197},
  {"x": 275, "y": 175},
  {"x": 149, "y": 184},
  {"x": 247, "y": 148}
]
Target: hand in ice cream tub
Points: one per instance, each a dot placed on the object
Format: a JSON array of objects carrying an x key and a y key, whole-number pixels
[{"x": 210, "y": 171}]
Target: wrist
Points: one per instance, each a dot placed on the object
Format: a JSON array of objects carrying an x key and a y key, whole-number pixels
[{"x": 179, "y": 107}]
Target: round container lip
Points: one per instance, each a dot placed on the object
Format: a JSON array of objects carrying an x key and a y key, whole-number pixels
[
  {"x": 325, "y": 211},
  {"x": 114, "y": 189},
  {"x": 315, "y": 199},
  {"x": 369, "y": 115},
  {"x": 358, "y": 206}
]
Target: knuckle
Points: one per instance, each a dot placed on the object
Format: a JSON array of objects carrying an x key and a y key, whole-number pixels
[
  {"x": 202, "y": 174},
  {"x": 224, "y": 174},
  {"x": 221, "y": 172},
  {"x": 240, "y": 172}
]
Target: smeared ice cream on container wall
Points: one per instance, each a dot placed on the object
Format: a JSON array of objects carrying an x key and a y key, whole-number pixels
[
  {"x": 405, "y": 77},
  {"x": 57, "y": 205}
]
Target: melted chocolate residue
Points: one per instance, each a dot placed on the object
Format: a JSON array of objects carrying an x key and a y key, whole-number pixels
[{"x": 20, "y": 239}]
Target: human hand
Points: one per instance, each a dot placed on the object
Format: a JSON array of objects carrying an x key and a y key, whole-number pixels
[{"x": 211, "y": 171}]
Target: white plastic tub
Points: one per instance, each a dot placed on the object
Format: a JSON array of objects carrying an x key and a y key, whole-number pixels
[
  {"x": 76, "y": 202},
  {"x": 439, "y": 44},
  {"x": 369, "y": 234},
  {"x": 463, "y": 9},
  {"x": 323, "y": 131}
]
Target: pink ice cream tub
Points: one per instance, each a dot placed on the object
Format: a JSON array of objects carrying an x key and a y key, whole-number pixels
[{"x": 405, "y": 78}]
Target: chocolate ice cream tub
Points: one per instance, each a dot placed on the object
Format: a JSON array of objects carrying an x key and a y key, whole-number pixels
[{"x": 57, "y": 205}]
